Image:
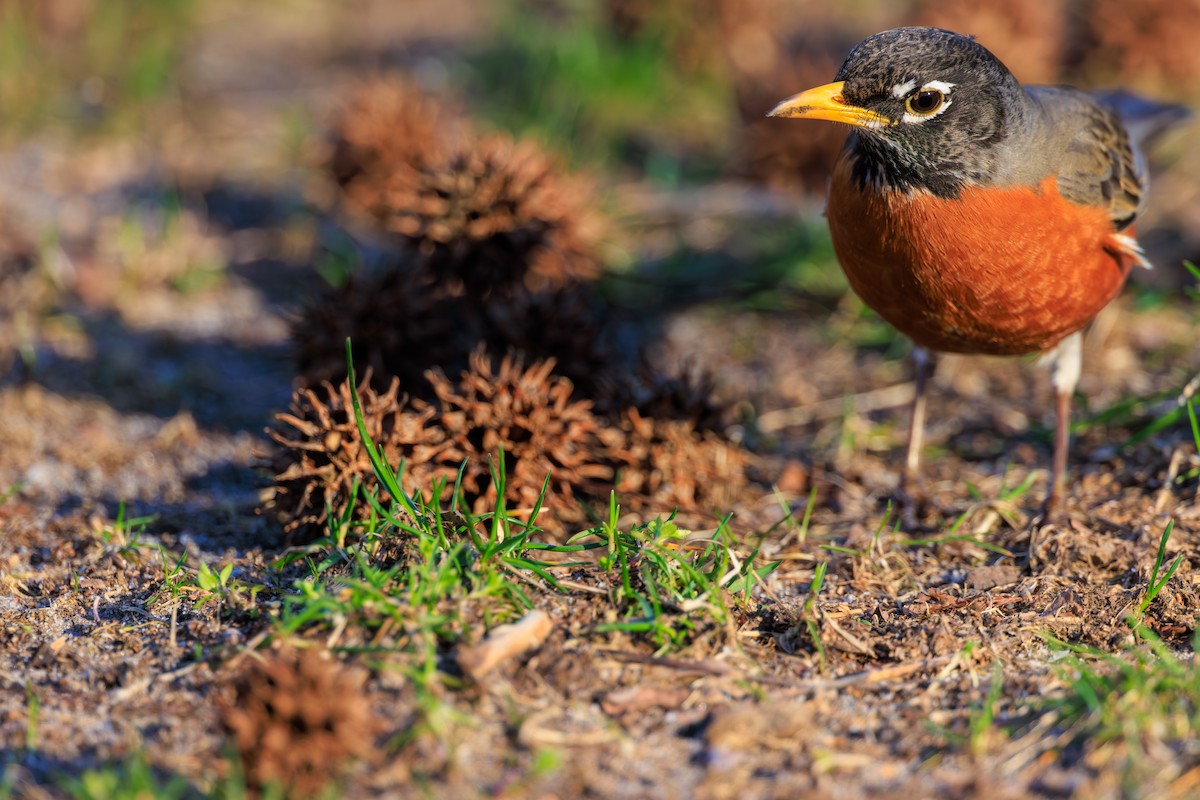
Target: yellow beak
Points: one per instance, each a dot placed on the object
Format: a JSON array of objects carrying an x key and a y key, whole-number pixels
[{"x": 826, "y": 102}]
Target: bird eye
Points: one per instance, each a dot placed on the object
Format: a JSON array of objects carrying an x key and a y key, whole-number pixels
[{"x": 924, "y": 102}]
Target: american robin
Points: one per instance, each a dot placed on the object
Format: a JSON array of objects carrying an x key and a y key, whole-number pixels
[{"x": 977, "y": 215}]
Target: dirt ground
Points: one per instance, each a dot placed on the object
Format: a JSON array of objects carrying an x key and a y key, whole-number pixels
[{"x": 133, "y": 416}]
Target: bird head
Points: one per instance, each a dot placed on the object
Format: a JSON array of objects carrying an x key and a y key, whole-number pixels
[{"x": 926, "y": 104}]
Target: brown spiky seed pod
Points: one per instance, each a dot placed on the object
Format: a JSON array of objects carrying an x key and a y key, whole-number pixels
[
  {"x": 688, "y": 396},
  {"x": 492, "y": 218},
  {"x": 571, "y": 325},
  {"x": 666, "y": 465},
  {"x": 399, "y": 326},
  {"x": 297, "y": 719},
  {"x": 388, "y": 124},
  {"x": 531, "y": 415},
  {"x": 321, "y": 454}
]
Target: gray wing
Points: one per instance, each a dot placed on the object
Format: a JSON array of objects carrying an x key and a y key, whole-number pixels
[{"x": 1099, "y": 166}]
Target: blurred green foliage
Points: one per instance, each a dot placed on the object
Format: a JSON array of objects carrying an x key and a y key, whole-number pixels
[
  {"x": 563, "y": 75},
  {"x": 86, "y": 65},
  {"x": 770, "y": 266}
]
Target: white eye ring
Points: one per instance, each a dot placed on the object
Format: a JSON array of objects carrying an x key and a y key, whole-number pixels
[{"x": 941, "y": 88}]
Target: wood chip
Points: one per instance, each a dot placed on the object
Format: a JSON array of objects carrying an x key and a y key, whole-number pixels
[{"x": 504, "y": 643}]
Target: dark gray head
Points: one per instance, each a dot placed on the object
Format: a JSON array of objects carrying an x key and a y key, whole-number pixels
[{"x": 929, "y": 107}]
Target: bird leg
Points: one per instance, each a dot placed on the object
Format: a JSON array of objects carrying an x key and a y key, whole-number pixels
[
  {"x": 1068, "y": 361},
  {"x": 924, "y": 364}
]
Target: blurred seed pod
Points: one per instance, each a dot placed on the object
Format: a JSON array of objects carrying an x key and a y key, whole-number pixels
[
  {"x": 573, "y": 326},
  {"x": 298, "y": 719},
  {"x": 491, "y": 216},
  {"x": 493, "y": 219},
  {"x": 399, "y": 325},
  {"x": 388, "y": 124},
  {"x": 689, "y": 396}
]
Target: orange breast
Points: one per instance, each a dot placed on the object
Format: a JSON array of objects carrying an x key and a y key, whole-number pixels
[{"x": 1001, "y": 271}]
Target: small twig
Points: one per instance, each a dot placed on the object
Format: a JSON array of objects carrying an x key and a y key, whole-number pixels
[
  {"x": 866, "y": 677},
  {"x": 142, "y": 611},
  {"x": 250, "y": 648},
  {"x": 1032, "y": 744},
  {"x": 1188, "y": 391},
  {"x": 1165, "y": 493},
  {"x": 581, "y": 587},
  {"x": 384, "y": 630},
  {"x": 865, "y": 402},
  {"x": 855, "y": 643},
  {"x": 888, "y": 673},
  {"x": 339, "y": 627}
]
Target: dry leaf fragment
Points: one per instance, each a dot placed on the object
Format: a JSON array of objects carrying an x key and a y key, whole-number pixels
[{"x": 504, "y": 643}]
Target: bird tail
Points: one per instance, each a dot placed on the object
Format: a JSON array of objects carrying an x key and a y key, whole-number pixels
[{"x": 1145, "y": 119}]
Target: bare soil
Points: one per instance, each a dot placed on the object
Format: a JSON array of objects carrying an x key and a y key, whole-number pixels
[{"x": 145, "y": 400}]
